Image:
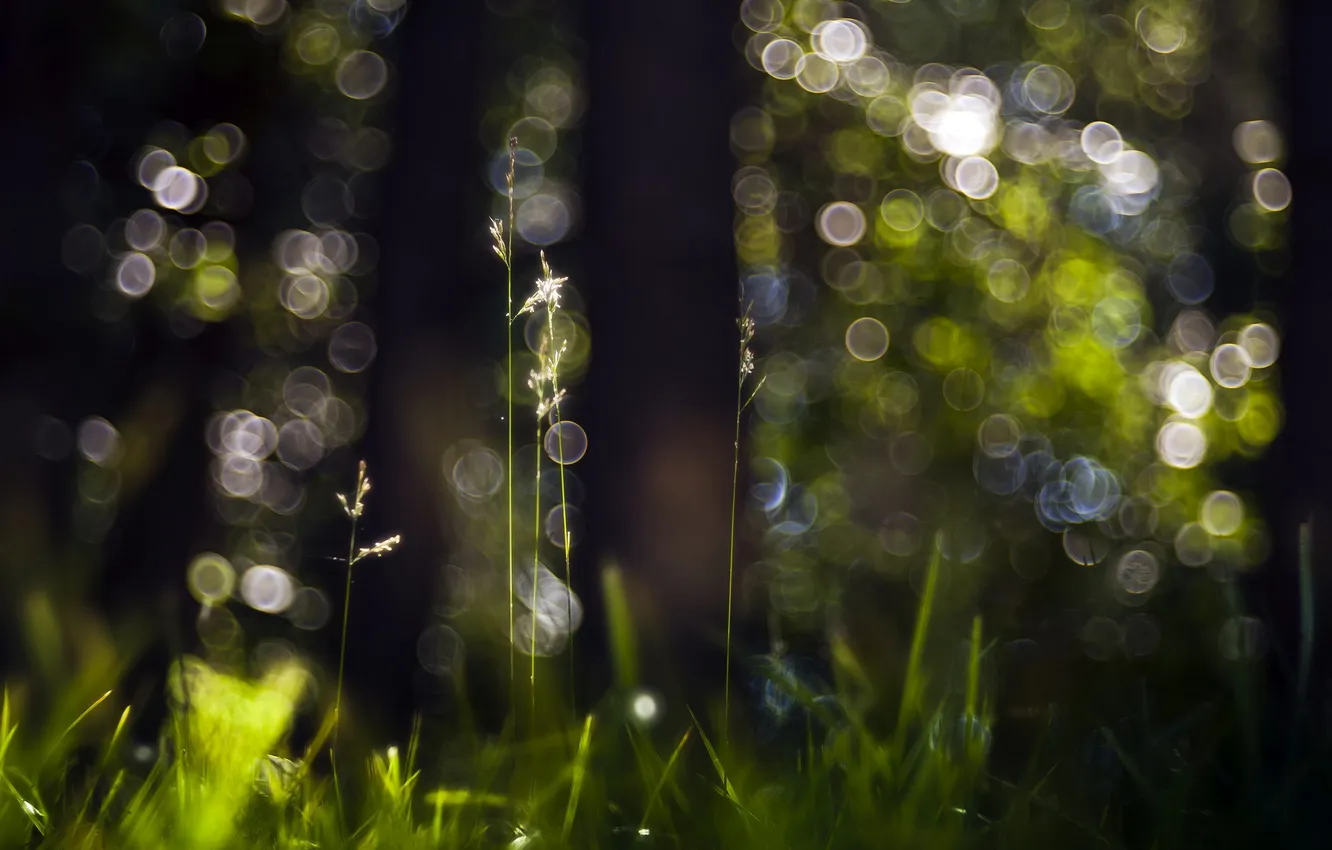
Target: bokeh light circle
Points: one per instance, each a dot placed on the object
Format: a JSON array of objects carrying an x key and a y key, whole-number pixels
[
  {"x": 867, "y": 339},
  {"x": 1230, "y": 366},
  {"x": 841, "y": 223},
  {"x": 211, "y": 578},
  {"x": 1222, "y": 513},
  {"x": 566, "y": 442},
  {"x": 1181, "y": 444},
  {"x": 1137, "y": 571},
  {"x": 362, "y": 75},
  {"x": 268, "y": 589}
]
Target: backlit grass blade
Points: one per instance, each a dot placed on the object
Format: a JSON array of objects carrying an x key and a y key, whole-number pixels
[
  {"x": 661, "y": 780},
  {"x": 579, "y": 774}
]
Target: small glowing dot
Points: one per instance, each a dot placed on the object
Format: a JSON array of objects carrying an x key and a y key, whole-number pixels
[
  {"x": 964, "y": 389},
  {"x": 267, "y": 589},
  {"x": 1257, "y": 142},
  {"x": 1181, "y": 444},
  {"x": 211, "y": 578},
  {"x": 976, "y": 177},
  {"x": 566, "y": 442},
  {"x": 362, "y": 75},
  {"x": 1137, "y": 571},
  {"x": 867, "y": 339},
  {"x": 1261, "y": 343},
  {"x": 1271, "y": 190},
  {"x": 1231, "y": 366},
  {"x": 841, "y": 223},
  {"x": 135, "y": 274},
  {"x": 1222, "y": 513},
  {"x": 1101, "y": 142},
  {"x": 645, "y": 707}
]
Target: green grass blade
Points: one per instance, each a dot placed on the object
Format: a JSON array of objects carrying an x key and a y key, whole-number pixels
[
  {"x": 623, "y": 642},
  {"x": 579, "y": 774},
  {"x": 665, "y": 775},
  {"x": 914, "y": 687}
]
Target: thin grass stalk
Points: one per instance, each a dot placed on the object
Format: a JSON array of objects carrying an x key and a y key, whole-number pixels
[
  {"x": 564, "y": 497},
  {"x": 508, "y": 414},
  {"x": 536, "y": 567},
  {"x": 744, "y": 366},
  {"x": 355, "y": 515}
]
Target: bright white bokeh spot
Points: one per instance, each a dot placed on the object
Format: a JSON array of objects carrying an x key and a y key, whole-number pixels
[
  {"x": 841, "y": 223},
  {"x": 976, "y": 177},
  {"x": 962, "y": 124},
  {"x": 566, "y": 442},
  {"x": 645, "y": 707},
  {"x": 177, "y": 188},
  {"x": 98, "y": 441},
  {"x": 842, "y": 41},
  {"x": 1222, "y": 513},
  {"x": 1130, "y": 173},
  {"x": 1186, "y": 390},
  {"x": 1230, "y": 366},
  {"x": 1271, "y": 190},
  {"x": 135, "y": 275},
  {"x": 1101, "y": 142},
  {"x": 305, "y": 296},
  {"x": 867, "y": 339},
  {"x": 362, "y": 75},
  {"x": 1258, "y": 142},
  {"x": 239, "y": 476},
  {"x": 781, "y": 58},
  {"x": 152, "y": 165},
  {"x": 267, "y": 589},
  {"x": 868, "y": 77},
  {"x": 1181, "y": 444},
  {"x": 1261, "y": 343}
]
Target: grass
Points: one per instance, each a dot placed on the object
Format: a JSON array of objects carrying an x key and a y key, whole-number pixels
[{"x": 869, "y": 758}]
